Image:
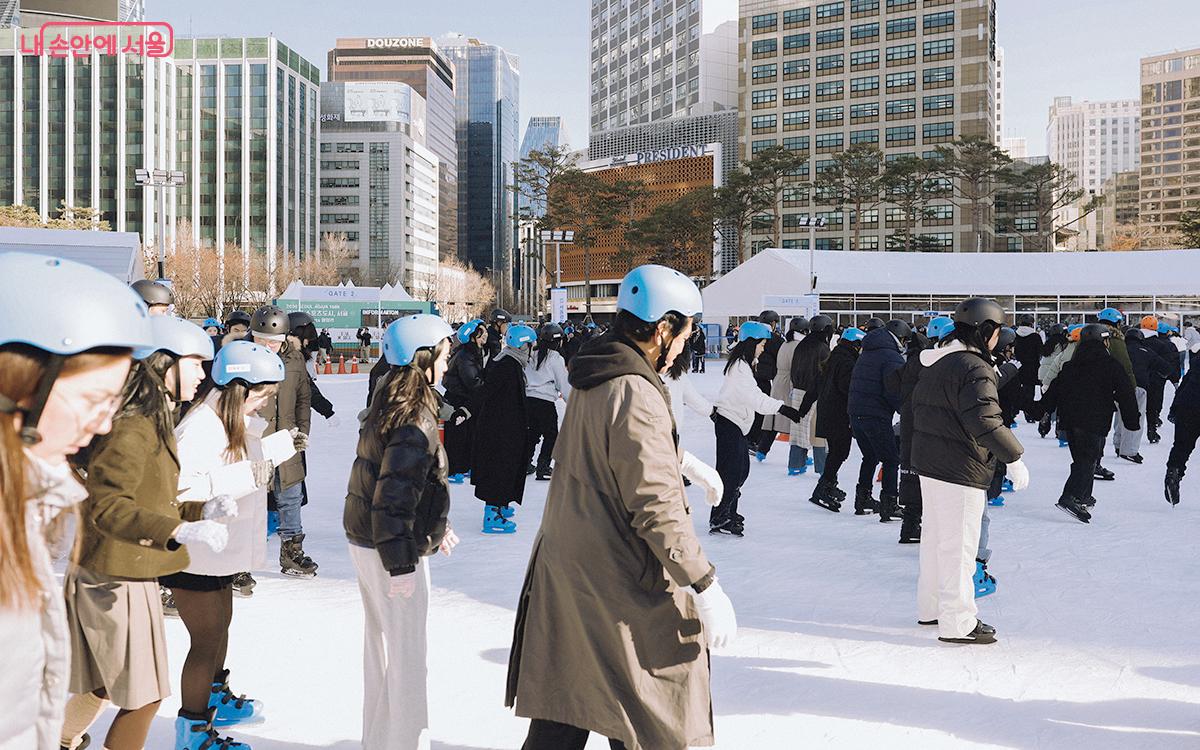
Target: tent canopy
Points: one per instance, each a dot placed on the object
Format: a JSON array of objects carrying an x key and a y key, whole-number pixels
[
  {"x": 776, "y": 272},
  {"x": 115, "y": 253}
]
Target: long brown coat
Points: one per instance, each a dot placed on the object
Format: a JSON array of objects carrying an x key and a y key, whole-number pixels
[
  {"x": 291, "y": 406},
  {"x": 606, "y": 637}
]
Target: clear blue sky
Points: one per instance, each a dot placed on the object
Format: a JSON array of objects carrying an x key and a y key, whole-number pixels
[{"x": 1088, "y": 49}]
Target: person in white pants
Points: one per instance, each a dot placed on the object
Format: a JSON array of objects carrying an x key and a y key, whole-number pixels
[{"x": 958, "y": 436}]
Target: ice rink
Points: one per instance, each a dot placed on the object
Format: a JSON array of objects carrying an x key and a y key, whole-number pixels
[{"x": 1096, "y": 624}]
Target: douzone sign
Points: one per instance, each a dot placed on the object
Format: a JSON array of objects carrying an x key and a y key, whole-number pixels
[{"x": 396, "y": 42}]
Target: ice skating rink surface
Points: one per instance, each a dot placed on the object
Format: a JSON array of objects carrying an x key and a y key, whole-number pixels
[{"x": 1096, "y": 624}]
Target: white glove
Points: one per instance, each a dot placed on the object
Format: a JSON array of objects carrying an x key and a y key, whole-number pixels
[
  {"x": 716, "y": 614},
  {"x": 299, "y": 440},
  {"x": 334, "y": 421},
  {"x": 209, "y": 533},
  {"x": 1018, "y": 474},
  {"x": 1015, "y": 363},
  {"x": 403, "y": 584},
  {"x": 221, "y": 506},
  {"x": 705, "y": 476}
]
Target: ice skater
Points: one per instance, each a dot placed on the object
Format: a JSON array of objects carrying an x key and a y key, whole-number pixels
[
  {"x": 545, "y": 383},
  {"x": 832, "y": 423},
  {"x": 871, "y": 407},
  {"x": 463, "y": 382}
]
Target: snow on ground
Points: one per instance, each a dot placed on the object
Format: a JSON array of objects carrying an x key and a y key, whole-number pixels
[{"x": 1096, "y": 623}]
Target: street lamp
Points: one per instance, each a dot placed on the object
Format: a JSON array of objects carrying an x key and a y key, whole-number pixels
[
  {"x": 812, "y": 224},
  {"x": 160, "y": 180}
]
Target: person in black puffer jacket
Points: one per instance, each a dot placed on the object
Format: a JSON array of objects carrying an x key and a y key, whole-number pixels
[
  {"x": 397, "y": 505},
  {"x": 871, "y": 409},
  {"x": 1083, "y": 395},
  {"x": 1027, "y": 349},
  {"x": 901, "y": 383},
  {"x": 832, "y": 422},
  {"x": 958, "y": 435},
  {"x": 464, "y": 384},
  {"x": 762, "y": 436}
]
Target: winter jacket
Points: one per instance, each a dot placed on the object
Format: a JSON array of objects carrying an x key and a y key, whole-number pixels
[
  {"x": 1167, "y": 353},
  {"x": 781, "y": 386},
  {"x": 740, "y": 399},
  {"x": 1186, "y": 404},
  {"x": 1028, "y": 351},
  {"x": 958, "y": 432},
  {"x": 1084, "y": 392},
  {"x": 902, "y": 382},
  {"x": 205, "y": 472},
  {"x": 549, "y": 381},
  {"x": 380, "y": 369},
  {"x": 607, "y": 636},
  {"x": 397, "y": 501},
  {"x": 495, "y": 342},
  {"x": 498, "y": 456},
  {"x": 766, "y": 367},
  {"x": 291, "y": 406},
  {"x": 37, "y": 658},
  {"x": 1146, "y": 363},
  {"x": 869, "y": 396},
  {"x": 700, "y": 342},
  {"x": 132, "y": 508},
  {"x": 683, "y": 393},
  {"x": 1116, "y": 345},
  {"x": 832, "y": 392},
  {"x": 324, "y": 341},
  {"x": 1053, "y": 364},
  {"x": 464, "y": 377},
  {"x": 1008, "y": 388}
]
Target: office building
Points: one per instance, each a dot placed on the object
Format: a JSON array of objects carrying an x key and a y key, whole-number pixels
[
  {"x": 999, "y": 95},
  {"x": 1094, "y": 140},
  {"x": 1016, "y": 147},
  {"x": 487, "y": 91},
  {"x": 1170, "y": 182},
  {"x": 75, "y": 129},
  {"x": 898, "y": 75},
  {"x": 1120, "y": 208},
  {"x": 541, "y": 133},
  {"x": 417, "y": 62},
  {"x": 246, "y": 137},
  {"x": 656, "y": 59},
  {"x": 379, "y": 183},
  {"x": 31, "y": 14}
]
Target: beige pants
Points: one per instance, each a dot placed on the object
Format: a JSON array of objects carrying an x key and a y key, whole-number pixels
[
  {"x": 395, "y": 700},
  {"x": 950, "y": 519}
]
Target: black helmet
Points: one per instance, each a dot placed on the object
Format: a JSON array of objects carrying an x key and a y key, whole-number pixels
[
  {"x": 153, "y": 293},
  {"x": 820, "y": 324},
  {"x": 770, "y": 317},
  {"x": 1057, "y": 329},
  {"x": 1025, "y": 320},
  {"x": 550, "y": 332},
  {"x": 899, "y": 329},
  {"x": 978, "y": 310},
  {"x": 798, "y": 325},
  {"x": 872, "y": 324},
  {"x": 1094, "y": 332},
  {"x": 302, "y": 325},
  {"x": 270, "y": 322},
  {"x": 918, "y": 342},
  {"x": 499, "y": 316},
  {"x": 1008, "y": 337},
  {"x": 236, "y": 317},
  {"x": 1134, "y": 334}
]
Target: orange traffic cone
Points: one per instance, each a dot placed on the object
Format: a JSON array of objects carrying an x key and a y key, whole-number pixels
[
  {"x": 341, "y": 364},
  {"x": 354, "y": 366},
  {"x": 328, "y": 366}
]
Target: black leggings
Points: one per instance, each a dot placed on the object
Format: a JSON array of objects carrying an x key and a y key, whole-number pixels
[
  {"x": 733, "y": 464},
  {"x": 839, "y": 451},
  {"x": 206, "y": 615},
  {"x": 543, "y": 426},
  {"x": 550, "y": 735}
]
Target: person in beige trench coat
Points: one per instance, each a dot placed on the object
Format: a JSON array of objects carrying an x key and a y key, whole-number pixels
[{"x": 620, "y": 605}]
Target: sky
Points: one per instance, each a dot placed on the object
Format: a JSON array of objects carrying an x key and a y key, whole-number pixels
[{"x": 1087, "y": 49}]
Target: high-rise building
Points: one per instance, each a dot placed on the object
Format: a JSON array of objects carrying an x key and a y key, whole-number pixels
[
  {"x": 33, "y": 13},
  {"x": 379, "y": 182},
  {"x": 75, "y": 129},
  {"x": 418, "y": 62},
  {"x": 1170, "y": 183},
  {"x": 1016, "y": 147},
  {"x": 656, "y": 59},
  {"x": 901, "y": 76},
  {"x": 1095, "y": 140},
  {"x": 999, "y": 97},
  {"x": 246, "y": 137},
  {"x": 1120, "y": 207},
  {"x": 487, "y": 91},
  {"x": 541, "y": 133}
]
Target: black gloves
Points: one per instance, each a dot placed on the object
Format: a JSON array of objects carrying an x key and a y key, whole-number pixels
[{"x": 791, "y": 413}]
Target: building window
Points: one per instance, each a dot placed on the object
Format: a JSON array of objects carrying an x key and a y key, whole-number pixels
[
  {"x": 901, "y": 109},
  {"x": 898, "y": 28},
  {"x": 339, "y": 182},
  {"x": 764, "y": 73},
  {"x": 830, "y": 38},
  {"x": 894, "y": 5},
  {"x": 937, "y": 132},
  {"x": 830, "y": 90},
  {"x": 796, "y": 17},
  {"x": 829, "y": 142},
  {"x": 864, "y": 31},
  {"x": 761, "y": 145},
  {"x": 935, "y": 22},
  {"x": 936, "y": 78},
  {"x": 864, "y": 113},
  {"x": 939, "y": 49},
  {"x": 830, "y": 64},
  {"x": 864, "y": 6},
  {"x": 902, "y": 136},
  {"x": 339, "y": 200},
  {"x": 795, "y": 120},
  {"x": 796, "y": 143},
  {"x": 899, "y": 82},
  {"x": 830, "y": 116},
  {"x": 939, "y": 215},
  {"x": 763, "y": 98},
  {"x": 864, "y": 86},
  {"x": 901, "y": 54},
  {"x": 829, "y": 12},
  {"x": 793, "y": 69},
  {"x": 765, "y": 47},
  {"x": 762, "y": 123},
  {"x": 864, "y": 136},
  {"x": 793, "y": 94},
  {"x": 795, "y": 43},
  {"x": 339, "y": 218},
  {"x": 938, "y": 103},
  {"x": 764, "y": 22},
  {"x": 868, "y": 58}
]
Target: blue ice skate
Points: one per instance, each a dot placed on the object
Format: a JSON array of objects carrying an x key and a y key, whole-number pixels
[
  {"x": 760, "y": 456},
  {"x": 494, "y": 521},
  {"x": 456, "y": 478},
  {"x": 808, "y": 461},
  {"x": 797, "y": 471},
  {"x": 1063, "y": 443},
  {"x": 996, "y": 502},
  {"x": 232, "y": 709},
  {"x": 198, "y": 734},
  {"x": 508, "y": 511},
  {"x": 984, "y": 583},
  {"x": 272, "y": 522},
  {"x": 1006, "y": 485}
]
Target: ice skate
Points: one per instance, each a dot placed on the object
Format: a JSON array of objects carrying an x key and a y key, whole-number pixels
[
  {"x": 1044, "y": 426},
  {"x": 1064, "y": 443},
  {"x": 1153, "y": 437},
  {"x": 293, "y": 561},
  {"x": 544, "y": 473},
  {"x": 232, "y": 709},
  {"x": 1088, "y": 502},
  {"x": 798, "y": 461},
  {"x": 456, "y": 478},
  {"x": 243, "y": 585},
  {"x": 996, "y": 502},
  {"x": 910, "y": 532},
  {"x": 1136, "y": 458},
  {"x": 494, "y": 521},
  {"x": 193, "y": 733},
  {"x": 927, "y": 622},
  {"x": 864, "y": 501},
  {"x": 889, "y": 508},
  {"x": 730, "y": 526},
  {"x": 795, "y": 472},
  {"x": 1072, "y": 507},
  {"x": 1171, "y": 485},
  {"x": 1006, "y": 486},
  {"x": 1103, "y": 474},
  {"x": 982, "y": 634},
  {"x": 760, "y": 456},
  {"x": 530, "y": 469},
  {"x": 984, "y": 582},
  {"x": 824, "y": 495}
]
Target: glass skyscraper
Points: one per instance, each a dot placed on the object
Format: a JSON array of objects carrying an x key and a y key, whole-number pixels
[
  {"x": 541, "y": 133},
  {"x": 487, "y": 86}
]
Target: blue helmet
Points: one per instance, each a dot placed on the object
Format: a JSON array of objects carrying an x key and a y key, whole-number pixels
[
  {"x": 467, "y": 330},
  {"x": 650, "y": 292},
  {"x": 246, "y": 361},
  {"x": 211, "y": 323},
  {"x": 182, "y": 338},
  {"x": 519, "y": 335},
  {"x": 33, "y": 311},
  {"x": 405, "y": 336},
  {"x": 939, "y": 328},
  {"x": 1165, "y": 327},
  {"x": 752, "y": 329},
  {"x": 1111, "y": 315},
  {"x": 853, "y": 334}
]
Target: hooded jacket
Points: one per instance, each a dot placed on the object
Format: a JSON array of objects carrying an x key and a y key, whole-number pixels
[
  {"x": 498, "y": 457},
  {"x": 869, "y": 395},
  {"x": 464, "y": 377},
  {"x": 606, "y": 636},
  {"x": 1166, "y": 352},
  {"x": 1084, "y": 392},
  {"x": 958, "y": 432},
  {"x": 740, "y": 398},
  {"x": 1146, "y": 363}
]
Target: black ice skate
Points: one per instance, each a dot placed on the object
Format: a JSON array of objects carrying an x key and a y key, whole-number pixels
[
  {"x": 293, "y": 561},
  {"x": 730, "y": 526},
  {"x": 1088, "y": 502},
  {"x": 825, "y": 496},
  {"x": 980, "y": 635},
  {"x": 1103, "y": 474},
  {"x": 889, "y": 508},
  {"x": 1171, "y": 485},
  {"x": 910, "y": 532},
  {"x": 1044, "y": 425},
  {"x": 543, "y": 474},
  {"x": 1072, "y": 507},
  {"x": 243, "y": 584},
  {"x": 1153, "y": 436},
  {"x": 1136, "y": 458},
  {"x": 864, "y": 501}
]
